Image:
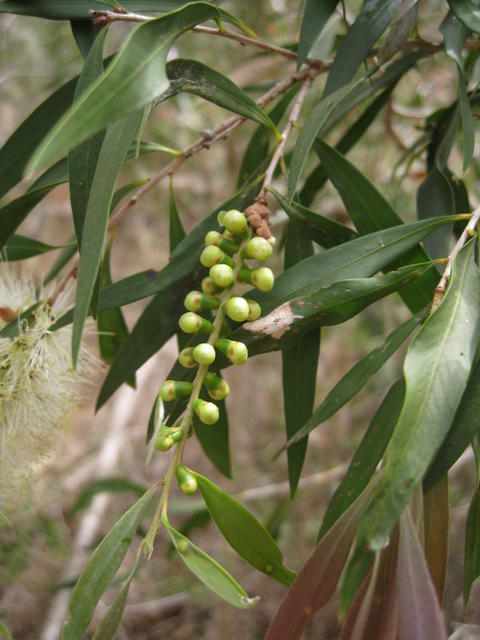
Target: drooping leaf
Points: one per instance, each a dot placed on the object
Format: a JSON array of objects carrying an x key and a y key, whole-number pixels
[
  {"x": 134, "y": 79},
  {"x": 315, "y": 17},
  {"x": 436, "y": 516},
  {"x": 417, "y": 600},
  {"x": 243, "y": 532},
  {"x": 78, "y": 9},
  {"x": 114, "y": 148},
  {"x": 110, "y": 623},
  {"x": 299, "y": 366},
  {"x": 402, "y": 26},
  {"x": 22, "y": 248},
  {"x": 366, "y": 457},
  {"x": 84, "y": 34},
  {"x": 175, "y": 228},
  {"x": 468, "y": 12},
  {"x": 14, "y": 213},
  {"x": 435, "y": 198},
  {"x": 358, "y": 376},
  {"x": 369, "y": 211},
  {"x": 101, "y": 568},
  {"x": 322, "y": 230},
  {"x": 194, "y": 77},
  {"x": 110, "y": 485},
  {"x": 82, "y": 160},
  {"x": 215, "y": 440},
  {"x": 437, "y": 367},
  {"x": 208, "y": 571},
  {"x": 372, "y": 21}
]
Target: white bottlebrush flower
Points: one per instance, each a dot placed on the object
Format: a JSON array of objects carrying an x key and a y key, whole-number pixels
[{"x": 38, "y": 386}]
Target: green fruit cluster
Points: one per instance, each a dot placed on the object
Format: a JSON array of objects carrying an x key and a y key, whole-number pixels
[{"x": 224, "y": 256}]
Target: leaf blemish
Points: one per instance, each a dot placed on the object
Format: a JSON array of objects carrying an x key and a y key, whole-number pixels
[{"x": 276, "y": 323}]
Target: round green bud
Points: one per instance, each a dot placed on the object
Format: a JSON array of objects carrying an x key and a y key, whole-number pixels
[
  {"x": 186, "y": 481},
  {"x": 236, "y": 352},
  {"x": 198, "y": 301},
  {"x": 183, "y": 546},
  {"x": 211, "y": 255},
  {"x": 185, "y": 357},
  {"x": 259, "y": 249},
  {"x": 204, "y": 353},
  {"x": 163, "y": 442},
  {"x": 254, "y": 310},
  {"x": 237, "y": 309},
  {"x": 207, "y": 412},
  {"x": 192, "y": 323},
  {"x": 234, "y": 221},
  {"x": 213, "y": 238},
  {"x": 173, "y": 389},
  {"x": 220, "y": 217},
  {"x": 263, "y": 279},
  {"x": 209, "y": 287},
  {"x": 217, "y": 387},
  {"x": 222, "y": 275}
]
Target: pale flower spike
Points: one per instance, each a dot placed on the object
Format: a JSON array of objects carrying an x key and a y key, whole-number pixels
[{"x": 38, "y": 386}]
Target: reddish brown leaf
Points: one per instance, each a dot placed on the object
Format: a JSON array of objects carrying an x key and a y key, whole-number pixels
[{"x": 436, "y": 509}]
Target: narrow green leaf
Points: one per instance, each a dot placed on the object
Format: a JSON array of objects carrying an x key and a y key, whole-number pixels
[
  {"x": 115, "y": 146},
  {"x": 322, "y": 230},
  {"x": 78, "y": 9},
  {"x": 374, "y": 18},
  {"x": 435, "y": 198},
  {"x": 134, "y": 79},
  {"x": 14, "y": 213},
  {"x": 358, "y": 376},
  {"x": 208, "y": 571},
  {"x": 402, "y": 26},
  {"x": 366, "y": 457},
  {"x": 315, "y": 17},
  {"x": 468, "y": 12},
  {"x": 104, "y": 485},
  {"x": 4, "y": 631},
  {"x": 194, "y": 77},
  {"x": 244, "y": 533},
  {"x": 82, "y": 160},
  {"x": 110, "y": 623},
  {"x": 84, "y": 34},
  {"x": 437, "y": 367},
  {"x": 369, "y": 211},
  {"x": 215, "y": 439},
  {"x": 175, "y": 228},
  {"x": 22, "y": 248},
  {"x": 299, "y": 366},
  {"x": 101, "y": 568}
]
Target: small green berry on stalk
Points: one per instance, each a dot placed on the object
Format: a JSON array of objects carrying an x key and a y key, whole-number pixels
[
  {"x": 259, "y": 249},
  {"x": 216, "y": 239},
  {"x": 234, "y": 221},
  {"x": 185, "y": 357},
  {"x": 192, "y": 323},
  {"x": 209, "y": 287},
  {"x": 207, "y": 412},
  {"x": 235, "y": 351},
  {"x": 211, "y": 255},
  {"x": 198, "y": 301},
  {"x": 204, "y": 353},
  {"x": 217, "y": 387},
  {"x": 222, "y": 275},
  {"x": 254, "y": 310},
  {"x": 163, "y": 442},
  {"x": 173, "y": 389},
  {"x": 263, "y": 279},
  {"x": 237, "y": 309},
  {"x": 186, "y": 481}
]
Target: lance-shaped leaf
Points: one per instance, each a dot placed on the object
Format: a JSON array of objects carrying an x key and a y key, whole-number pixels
[
  {"x": 322, "y": 230},
  {"x": 315, "y": 17},
  {"x": 14, "y": 213},
  {"x": 194, "y": 77},
  {"x": 435, "y": 197},
  {"x": 468, "y": 12},
  {"x": 101, "y": 568},
  {"x": 176, "y": 232},
  {"x": 353, "y": 381},
  {"x": 134, "y": 79},
  {"x": 208, "y": 571},
  {"x": 372, "y": 21},
  {"x": 299, "y": 366},
  {"x": 420, "y": 615},
  {"x": 115, "y": 146},
  {"x": 110, "y": 623},
  {"x": 401, "y": 28},
  {"x": 22, "y": 248},
  {"x": 317, "y": 580},
  {"x": 331, "y": 304},
  {"x": 367, "y": 456},
  {"x": 436, "y": 515},
  {"x": 244, "y": 533},
  {"x": 369, "y": 211},
  {"x": 437, "y": 367}
]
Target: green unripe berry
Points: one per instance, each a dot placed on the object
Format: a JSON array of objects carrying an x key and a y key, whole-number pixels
[
  {"x": 185, "y": 357},
  {"x": 234, "y": 221},
  {"x": 192, "y": 323},
  {"x": 222, "y": 275},
  {"x": 211, "y": 255},
  {"x": 198, "y": 301},
  {"x": 263, "y": 279},
  {"x": 183, "y": 546},
  {"x": 207, "y": 412},
  {"x": 254, "y": 310},
  {"x": 173, "y": 389},
  {"x": 217, "y": 387},
  {"x": 236, "y": 352},
  {"x": 204, "y": 353},
  {"x": 259, "y": 249},
  {"x": 217, "y": 239},
  {"x": 209, "y": 287},
  {"x": 220, "y": 217},
  {"x": 186, "y": 481},
  {"x": 163, "y": 442},
  {"x": 237, "y": 309}
]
